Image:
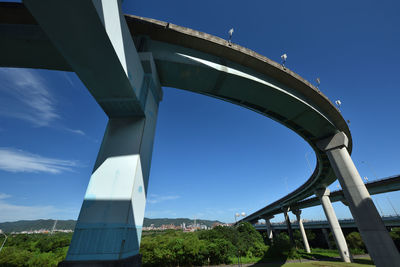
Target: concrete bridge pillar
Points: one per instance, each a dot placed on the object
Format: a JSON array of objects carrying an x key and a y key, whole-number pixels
[
  {"x": 341, "y": 244},
  {"x": 270, "y": 234},
  {"x": 95, "y": 41},
  {"x": 289, "y": 225},
  {"x": 109, "y": 226},
  {"x": 370, "y": 225},
  {"x": 326, "y": 235},
  {"x": 297, "y": 212}
]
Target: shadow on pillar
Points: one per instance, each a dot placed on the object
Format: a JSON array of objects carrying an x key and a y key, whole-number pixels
[
  {"x": 103, "y": 235},
  {"x": 135, "y": 260},
  {"x": 378, "y": 242},
  {"x": 371, "y": 227},
  {"x": 289, "y": 228},
  {"x": 109, "y": 227}
]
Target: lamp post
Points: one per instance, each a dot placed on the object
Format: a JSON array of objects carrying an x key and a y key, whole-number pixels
[
  {"x": 237, "y": 215},
  {"x": 2, "y": 245}
]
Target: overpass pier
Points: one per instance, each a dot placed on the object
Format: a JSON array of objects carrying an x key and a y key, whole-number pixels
[
  {"x": 347, "y": 225},
  {"x": 334, "y": 225},
  {"x": 325, "y": 197},
  {"x": 373, "y": 232},
  {"x": 302, "y": 231}
]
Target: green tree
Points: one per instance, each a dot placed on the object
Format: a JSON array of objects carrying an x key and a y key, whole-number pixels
[
  {"x": 281, "y": 246},
  {"x": 249, "y": 240},
  {"x": 395, "y": 234},
  {"x": 219, "y": 251},
  {"x": 13, "y": 256},
  {"x": 354, "y": 241}
]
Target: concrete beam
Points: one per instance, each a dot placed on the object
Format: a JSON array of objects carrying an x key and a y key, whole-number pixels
[
  {"x": 341, "y": 244},
  {"x": 371, "y": 227},
  {"x": 94, "y": 39}
]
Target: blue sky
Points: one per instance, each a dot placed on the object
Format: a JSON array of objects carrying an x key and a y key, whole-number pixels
[{"x": 211, "y": 158}]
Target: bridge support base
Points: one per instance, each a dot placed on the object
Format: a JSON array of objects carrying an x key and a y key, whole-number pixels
[
  {"x": 134, "y": 261},
  {"x": 334, "y": 224},
  {"x": 372, "y": 229}
]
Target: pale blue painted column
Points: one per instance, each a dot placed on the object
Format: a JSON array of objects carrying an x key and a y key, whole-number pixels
[
  {"x": 110, "y": 222},
  {"x": 93, "y": 37}
]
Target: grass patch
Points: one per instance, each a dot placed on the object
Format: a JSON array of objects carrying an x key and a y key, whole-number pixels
[
  {"x": 319, "y": 257},
  {"x": 318, "y": 254},
  {"x": 245, "y": 260},
  {"x": 366, "y": 263},
  {"x": 357, "y": 263}
]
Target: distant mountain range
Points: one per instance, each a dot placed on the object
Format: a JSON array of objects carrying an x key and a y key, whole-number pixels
[{"x": 20, "y": 226}]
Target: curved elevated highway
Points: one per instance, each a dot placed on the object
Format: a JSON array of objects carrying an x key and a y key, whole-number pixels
[
  {"x": 202, "y": 63},
  {"x": 389, "y": 221},
  {"x": 123, "y": 61},
  {"x": 380, "y": 186}
]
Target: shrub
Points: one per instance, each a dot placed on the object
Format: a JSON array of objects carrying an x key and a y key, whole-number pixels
[
  {"x": 395, "y": 234},
  {"x": 280, "y": 248},
  {"x": 354, "y": 241}
]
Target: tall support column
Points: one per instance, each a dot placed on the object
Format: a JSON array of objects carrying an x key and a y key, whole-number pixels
[
  {"x": 94, "y": 39},
  {"x": 270, "y": 234},
  {"x": 341, "y": 244},
  {"x": 370, "y": 225},
  {"x": 289, "y": 226},
  {"x": 297, "y": 212},
  {"x": 109, "y": 226},
  {"x": 326, "y": 236}
]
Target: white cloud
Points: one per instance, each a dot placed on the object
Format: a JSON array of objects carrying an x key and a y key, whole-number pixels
[
  {"x": 4, "y": 196},
  {"x": 68, "y": 76},
  {"x": 153, "y": 198},
  {"x": 77, "y": 131},
  {"x": 14, "y": 212},
  {"x": 26, "y": 96},
  {"x": 13, "y": 160},
  {"x": 11, "y": 212}
]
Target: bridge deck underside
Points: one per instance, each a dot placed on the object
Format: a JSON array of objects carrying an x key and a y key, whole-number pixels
[{"x": 205, "y": 64}]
